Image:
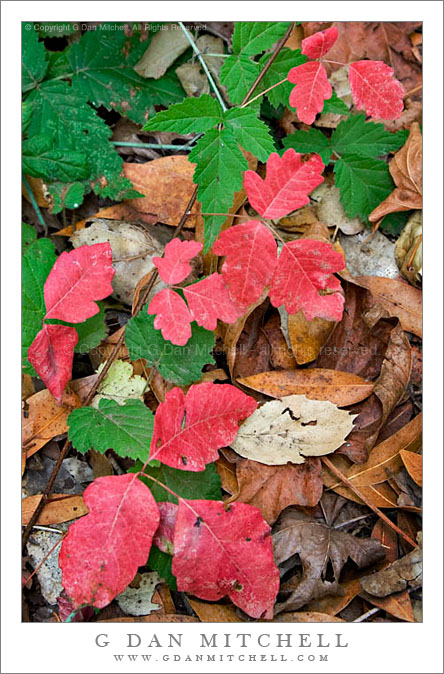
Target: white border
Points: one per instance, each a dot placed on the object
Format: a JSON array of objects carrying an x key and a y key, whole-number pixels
[{"x": 394, "y": 647}]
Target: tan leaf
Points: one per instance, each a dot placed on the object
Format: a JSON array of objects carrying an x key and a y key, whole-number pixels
[
  {"x": 164, "y": 48},
  {"x": 334, "y": 605},
  {"x": 308, "y": 337},
  {"x": 413, "y": 464},
  {"x": 340, "y": 388},
  {"x": 290, "y": 429},
  {"x": 306, "y": 617},
  {"x": 402, "y": 574},
  {"x": 388, "y": 539},
  {"x": 398, "y": 605},
  {"x": 214, "y": 613},
  {"x": 408, "y": 250},
  {"x": 59, "y": 508},
  {"x": 122, "y": 212}
]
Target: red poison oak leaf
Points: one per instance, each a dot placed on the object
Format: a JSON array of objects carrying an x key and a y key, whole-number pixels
[
  {"x": 51, "y": 355},
  {"x": 103, "y": 550},
  {"x": 317, "y": 45},
  {"x": 311, "y": 90},
  {"x": 226, "y": 550},
  {"x": 76, "y": 280},
  {"x": 209, "y": 300},
  {"x": 251, "y": 256},
  {"x": 173, "y": 317},
  {"x": 163, "y": 538},
  {"x": 189, "y": 429},
  {"x": 375, "y": 90},
  {"x": 175, "y": 266},
  {"x": 306, "y": 267},
  {"x": 288, "y": 182}
]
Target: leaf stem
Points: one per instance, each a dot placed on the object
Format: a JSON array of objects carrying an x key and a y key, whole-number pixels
[
  {"x": 263, "y": 92},
  {"x": 152, "y": 146},
  {"x": 204, "y": 66},
  {"x": 34, "y": 205}
]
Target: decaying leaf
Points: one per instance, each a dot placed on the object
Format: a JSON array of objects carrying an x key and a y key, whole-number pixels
[
  {"x": 413, "y": 464},
  {"x": 120, "y": 384},
  {"x": 331, "y": 212},
  {"x": 307, "y": 337},
  {"x": 44, "y": 418},
  {"x": 402, "y": 574},
  {"x": 290, "y": 429},
  {"x": 408, "y": 250},
  {"x": 136, "y": 599},
  {"x": 166, "y": 45},
  {"x": 59, "y": 508}
]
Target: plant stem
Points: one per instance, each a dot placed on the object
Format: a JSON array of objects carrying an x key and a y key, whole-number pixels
[
  {"x": 204, "y": 66},
  {"x": 264, "y": 92},
  {"x": 34, "y": 205},
  {"x": 151, "y": 146}
]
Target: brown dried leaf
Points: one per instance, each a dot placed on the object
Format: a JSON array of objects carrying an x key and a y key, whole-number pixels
[
  {"x": 308, "y": 337},
  {"x": 45, "y": 418},
  {"x": 398, "y": 605},
  {"x": 214, "y": 613},
  {"x": 59, "y": 508},
  {"x": 281, "y": 356},
  {"x": 413, "y": 464},
  {"x": 400, "y": 575},
  {"x": 388, "y": 539}
]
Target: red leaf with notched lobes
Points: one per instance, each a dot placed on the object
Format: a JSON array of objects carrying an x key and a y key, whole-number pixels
[
  {"x": 251, "y": 257},
  {"x": 189, "y": 429},
  {"x": 76, "y": 280},
  {"x": 163, "y": 538},
  {"x": 175, "y": 266},
  {"x": 226, "y": 550},
  {"x": 305, "y": 268},
  {"x": 209, "y": 300},
  {"x": 317, "y": 45},
  {"x": 173, "y": 317},
  {"x": 51, "y": 355},
  {"x": 103, "y": 550},
  {"x": 286, "y": 187},
  {"x": 375, "y": 90},
  {"x": 311, "y": 90}
]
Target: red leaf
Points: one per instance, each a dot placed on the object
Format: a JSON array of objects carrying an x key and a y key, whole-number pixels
[
  {"x": 51, "y": 355},
  {"x": 209, "y": 300},
  {"x": 288, "y": 182},
  {"x": 312, "y": 89},
  {"x": 320, "y": 43},
  {"x": 175, "y": 264},
  {"x": 76, "y": 279},
  {"x": 103, "y": 550},
  {"x": 305, "y": 267},
  {"x": 375, "y": 90},
  {"x": 226, "y": 550},
  {"x": 188, "y": 430},
  {"x": 173, "y": 317},
  {"x": 251, "y": 256},
  {"x": 163, "y": 538}
]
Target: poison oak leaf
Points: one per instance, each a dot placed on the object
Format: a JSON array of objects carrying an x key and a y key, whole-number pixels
[
  {"x": 226, "y": 550},
  {"x": 173, "y": 317},
  {"x": 305, "y": 268},
  {"x": 317, "y": 45},
  {"x": 288, "y": 182},
  {"x": 251, "y": 257},
  {"x": 175, "y": 266},
  {"x": 76, "y": 280},
  {"x": 51, "y": 355},
  {"x": 103, "y": 550},
  {"x": 209, "y": 300},
  {"x": 311, "y": 90},
  {"x": 189, "y": 429},
  {"x": 375, "y": 90}
]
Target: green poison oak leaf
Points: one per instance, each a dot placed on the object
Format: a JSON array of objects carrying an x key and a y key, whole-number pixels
[
  {"x": 189, "y": 429},
  {"x": 287, "y": 184},
  {"x": 172, "y": 316},
  {"x": 51, "y": 355},
  {"x": 76, "y": 279},
  {"x": 127, "y": 428},
  {"x": 318, "y": 44},
  {"x": 203, "y": 484},
  {"x": 178, "y": 364},
  {"x": 363, "y": 184},
  {"x": 175, "y": 266},
  {"x": 375, "y": 90},
  {"x": 312, "y": 140},
  {"x": 103, "y": 550},
  {"x": 225, "y": 550},
  {"x": 163, "y": 538}
]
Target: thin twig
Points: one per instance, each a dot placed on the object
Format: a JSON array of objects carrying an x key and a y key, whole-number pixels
[
  {"x": 413, "y": 91},
  {"x": 151, "y": 146},
  {"x": 261, "y": 75},
  {"x": 35, "y": 205},
  {"x": 198, "y": 53},
  {"x": 39, "y": 565},
  {"x": 331, "y": 466},
  {"x": 262, "y": 93},
  {"x": 366, "y": 615}
]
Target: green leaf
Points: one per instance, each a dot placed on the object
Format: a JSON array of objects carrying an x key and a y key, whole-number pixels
[
  {"x": 193, "y": 115},
  {"x": 42, "y": 160},
  {"x": 117, "y": 189},
  {"x": 365, "y": 139},
  {"x": 254, "y": 37},
  {"x": 91, "y": 332},
  {"x": 312, "y": 140},
  {"x": 363, "y": 183},
  {"x": 27, "y": 107},
  {"x": 279, "y": 69},
  {"x": 127, "y": 429},
  {"x": 394, "y": 223},
  {"x": 66, "y": 195},
  {"x": 58, "y": 64},
  {"x": 37, "y": 262},
  {"x": 162, "y": 563},
  {"x": 29, "y": 236},
  {"x": 238, "y": 74},
  {"x": 218, "y": 174},
  {"x": 105, "y": 77},
  {"x": 250, "y": 132},
  {"x": 33, "y": 58},
  {"x": 179, "y": 364},
  {"x": 335, "y": 105},
  {"x": 205, "y": 484}
]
